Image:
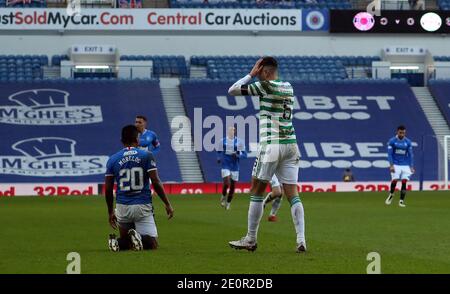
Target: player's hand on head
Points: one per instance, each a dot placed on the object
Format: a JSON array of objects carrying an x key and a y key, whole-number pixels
[
  {"x": 169, "y": 211},
  {"x": 113, "y": 221},
  {"x": 413, "y": 170},
  {"x": 256, "y": 68},
  {"x": 392, "y": 169}
]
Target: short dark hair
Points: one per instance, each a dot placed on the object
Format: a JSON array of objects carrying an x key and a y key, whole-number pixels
[
  {"x": 269, "y": 61},
  {"x": 401, "y": 128},
  {"x": 129, "y": 134},
  {"x": 141, "y": 117}
]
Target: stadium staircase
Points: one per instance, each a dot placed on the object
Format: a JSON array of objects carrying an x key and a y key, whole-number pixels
[
  {"x": 432, "y": 112},
  {"x": 356, "y": 72},
  {"x": 173, "y": 104},
  {"x": 52, "y": 72},
  {"x": 198, "y": 72}
]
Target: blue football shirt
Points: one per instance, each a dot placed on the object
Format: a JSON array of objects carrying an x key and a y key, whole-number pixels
[
  {"x": 130, "y": 167},
  {"x": 400, "y": 152}
]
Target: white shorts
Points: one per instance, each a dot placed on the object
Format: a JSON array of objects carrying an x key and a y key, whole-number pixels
[
  {"x": 402, "y": 172},
  {"x": 281, "y": 160},
  {"x": 139, "y": 215},
  {"x": 274, "y": 182},
  {"x": 234, "y": 174}
]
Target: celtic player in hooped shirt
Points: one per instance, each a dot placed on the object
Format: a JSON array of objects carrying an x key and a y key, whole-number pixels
[{"x": 278, "y": 152}]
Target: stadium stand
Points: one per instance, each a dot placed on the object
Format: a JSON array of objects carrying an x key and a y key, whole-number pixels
[
  {"x": 231, "y": 67},
  {"x": 328, "y": 115},
  {"x": 63, "y": 4},
  {"x": 22, "y": 67},
  {"x": 163, "y": 65},
  {"x": 291, "y": 67},
  {"x": 441, "y": 58},
  {"x": 440, "y": 90},
  {"x": 56, "y": 59},
  {"x": 444, "y": 4},
  {"x": 236, "y": 4},
  {"x": 23, "y": 4},
  {"x": 129, "y": 3},
  {"x": 312, "y": 76},
  {"x": 103, "y": 111},
  {"x": 251, "y": 4}
]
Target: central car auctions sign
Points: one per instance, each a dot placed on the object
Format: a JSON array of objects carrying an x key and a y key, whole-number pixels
[{"x": 165, "y": 19}]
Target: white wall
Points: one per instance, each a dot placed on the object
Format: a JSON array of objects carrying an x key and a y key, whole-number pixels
[{"x": 224, "y": 44}]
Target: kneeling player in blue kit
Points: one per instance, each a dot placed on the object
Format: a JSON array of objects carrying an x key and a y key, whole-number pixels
[{"x": 132, "y": 168}]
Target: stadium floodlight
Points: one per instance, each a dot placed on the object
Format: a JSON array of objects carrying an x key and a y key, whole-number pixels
[
  {"x": 446, "y": 154},
  {"x": 91, "y": 66}
]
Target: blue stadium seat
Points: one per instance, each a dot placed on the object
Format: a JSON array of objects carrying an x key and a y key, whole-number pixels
[{"x": 56, "y": 60}]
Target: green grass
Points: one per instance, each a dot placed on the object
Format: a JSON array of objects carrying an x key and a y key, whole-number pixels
[{"x": 342, "y": 228}]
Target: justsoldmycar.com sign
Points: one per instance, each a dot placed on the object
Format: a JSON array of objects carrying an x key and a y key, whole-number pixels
[{"x": 166, "y": 19}]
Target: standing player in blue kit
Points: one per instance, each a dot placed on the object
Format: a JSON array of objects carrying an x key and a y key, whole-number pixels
[{"x": 401, "y": 160}]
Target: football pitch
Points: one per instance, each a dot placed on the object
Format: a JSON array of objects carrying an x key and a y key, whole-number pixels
[{"x": 341, "y": 230}]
